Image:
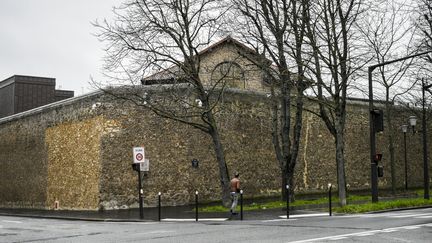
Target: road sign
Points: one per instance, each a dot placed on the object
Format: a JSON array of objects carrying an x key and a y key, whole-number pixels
[
  {"x": 145, "y": 166},
  {"x": 138, "y": 154}
]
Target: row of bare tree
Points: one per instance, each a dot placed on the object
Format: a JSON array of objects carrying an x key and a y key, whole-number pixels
[{"x": 318, "y": 49}]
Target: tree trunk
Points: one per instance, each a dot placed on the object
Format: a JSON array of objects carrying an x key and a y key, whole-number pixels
[
  {"x": 291, "y": 185},
  {"x": 391, "y": 142},
  {"x": 223, "y": 169},
  {"x": 392, "y": 162},
  {"x": 340, "y": 164}
]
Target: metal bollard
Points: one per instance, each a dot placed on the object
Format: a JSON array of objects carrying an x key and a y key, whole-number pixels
[
  {"x": 196, "y": 205},
  {"x": 287, "y": 201},
  {"x": 241, "y": 204},
  {"x": 330, "y": 199},
  {"x": 159, "y": 206}
]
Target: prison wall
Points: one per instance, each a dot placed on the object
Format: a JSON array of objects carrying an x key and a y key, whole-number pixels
[{"x": 79, "y": 152}]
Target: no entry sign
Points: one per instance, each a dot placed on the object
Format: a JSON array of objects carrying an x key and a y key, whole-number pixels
[{"x": 138, "y": 154}]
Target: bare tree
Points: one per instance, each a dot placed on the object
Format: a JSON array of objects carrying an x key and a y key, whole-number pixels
[
  {"x": 163, "y": 38},
  {"x": 276, "y": 29},
  {"x": 424, "y": 23},
  {"x": 335, "y": 51},
  {"x": 387, "y": 33}
]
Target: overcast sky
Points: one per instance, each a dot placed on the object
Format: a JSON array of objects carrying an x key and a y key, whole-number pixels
[{"x": 52, "y": 38}]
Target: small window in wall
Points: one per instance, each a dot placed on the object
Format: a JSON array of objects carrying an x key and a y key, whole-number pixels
[{"x": 230, "y": 74}]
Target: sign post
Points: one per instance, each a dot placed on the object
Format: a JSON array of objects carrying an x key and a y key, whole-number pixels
[{"x": 139, "y": 158}]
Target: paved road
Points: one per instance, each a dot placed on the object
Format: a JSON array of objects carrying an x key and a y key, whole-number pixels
[{"x": 398, "y": 226}]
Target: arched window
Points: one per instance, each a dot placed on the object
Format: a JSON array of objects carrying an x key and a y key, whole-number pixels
[{"x": 229, "y": 74}]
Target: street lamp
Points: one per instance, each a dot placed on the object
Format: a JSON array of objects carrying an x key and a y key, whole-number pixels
[
  {"x": 412, "y": 121},
  {"x": 404, "y": 130},
  {"x": 374, "y": 176}
]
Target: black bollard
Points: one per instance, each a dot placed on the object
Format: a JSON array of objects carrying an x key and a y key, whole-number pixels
[
  {"x": 159, "y": 206},
  {"x": 241, "y": 204},
  {"x": 287, "y": 201},
  {"x": 196, "y": 205},
  {"x": 330, "y": 199}
]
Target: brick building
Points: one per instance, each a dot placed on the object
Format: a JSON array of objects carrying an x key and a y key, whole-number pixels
[{"x": 21, "y": 93}]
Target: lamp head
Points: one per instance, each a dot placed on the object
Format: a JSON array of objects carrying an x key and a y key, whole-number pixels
[
  {"x": 404, "y": 128},
  {"x": 412, "y": 120}
]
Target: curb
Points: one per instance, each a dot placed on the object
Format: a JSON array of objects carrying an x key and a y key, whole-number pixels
[
  {"x": 398, "y": 209},
  {"x": 75, "y": 218}
]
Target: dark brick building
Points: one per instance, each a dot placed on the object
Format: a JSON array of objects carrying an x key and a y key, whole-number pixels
[{"x": 20, "y": 93}]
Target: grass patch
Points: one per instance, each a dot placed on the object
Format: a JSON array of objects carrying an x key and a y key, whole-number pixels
[
  {"x": 383, "y": 205},
  {"x": 352, "y": 207},
  {"x": 282, "y": 204}
]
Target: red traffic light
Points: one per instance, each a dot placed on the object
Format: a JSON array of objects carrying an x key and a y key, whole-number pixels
[{"x": 377, "y": 157}]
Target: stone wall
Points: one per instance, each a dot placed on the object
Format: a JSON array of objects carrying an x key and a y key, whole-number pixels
[
  {"x": 51, "y": 153},
  {"x": 74, "y": 162},
  {"x": 79, "y": 152}
]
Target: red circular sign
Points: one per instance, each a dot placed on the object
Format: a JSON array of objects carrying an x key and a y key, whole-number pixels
[{"x": 139, "y": 156}]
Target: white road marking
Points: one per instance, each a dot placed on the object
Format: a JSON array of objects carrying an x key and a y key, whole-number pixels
[
  {"x": 409, "y": 215},
  {"x": 277, "y": 220},
  {"x": 389, "y": 230},
  {"x": 304, "y": 215},
  {"x": 364, "y": 233},
  {"x": 424, "y": 217},
  {"x": 155, "y": 232},
  {"x": 199, "y": 220},
  {"x": 12, "y": 221},
  {"x": 411, "y": 227},
  {"x": 338, "y": 238},
  {"x": 390, "y": 215}
]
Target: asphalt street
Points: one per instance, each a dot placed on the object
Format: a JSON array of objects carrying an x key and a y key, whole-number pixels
[{"x": 397, "y": 226}]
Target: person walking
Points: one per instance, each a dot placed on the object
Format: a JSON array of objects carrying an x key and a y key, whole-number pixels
[{"x": 235, "y": 191}]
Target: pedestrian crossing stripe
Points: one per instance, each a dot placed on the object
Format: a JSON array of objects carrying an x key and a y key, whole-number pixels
[
  {"x": 364, "y": 233},
  {"x": 304, "y": 215},
  {"x": 391, "y": 215}
]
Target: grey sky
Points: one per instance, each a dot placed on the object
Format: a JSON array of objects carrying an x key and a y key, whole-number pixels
[{"x": 52, "y": 38}]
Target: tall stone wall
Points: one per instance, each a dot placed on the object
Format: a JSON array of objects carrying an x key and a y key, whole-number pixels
[
  {"x": 79, "y": 152},
  {"x": 51, "y": 153},
  {"x": 23, "y": 164}
]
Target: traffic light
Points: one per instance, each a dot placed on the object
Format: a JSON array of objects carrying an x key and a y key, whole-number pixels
[
  {"x": 378, "y": 120},
  {"x": 380, "y": 171},
  {"x": 377, "y": 158}
]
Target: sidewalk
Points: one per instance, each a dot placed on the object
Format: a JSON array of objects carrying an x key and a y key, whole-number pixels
[{"x": 150, "y": 214}]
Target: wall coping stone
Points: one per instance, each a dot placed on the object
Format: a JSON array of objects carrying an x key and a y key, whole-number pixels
[{"x": 162, "y": 87}]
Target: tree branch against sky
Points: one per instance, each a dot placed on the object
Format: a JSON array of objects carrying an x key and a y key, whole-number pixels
[
  {"x": 164, "y": 36},
  {"x": 336, "y": 52},
  {"x": 276, "y": 29},
  {"x": 388, "y": 34}
]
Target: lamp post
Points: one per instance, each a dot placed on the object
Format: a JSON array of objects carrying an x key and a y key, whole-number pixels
[
  {"x": 374, "y": 177},
  {"x": 404, "y": 130}
]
